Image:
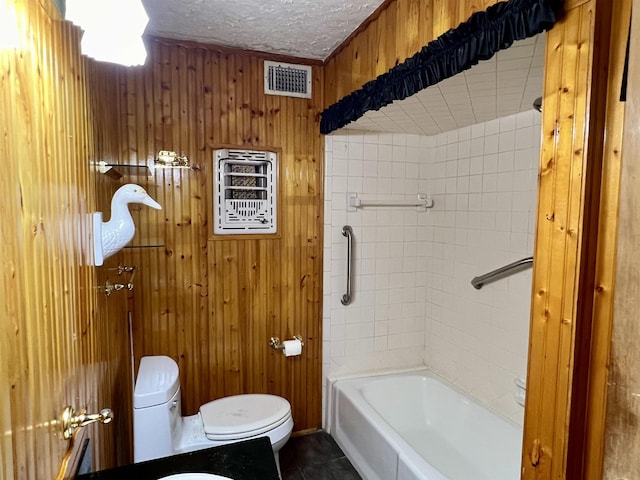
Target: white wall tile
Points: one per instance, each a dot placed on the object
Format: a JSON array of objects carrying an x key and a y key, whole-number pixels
[
  {"x": 491, "y": 144},
  {"x": 413, "y": 301}
]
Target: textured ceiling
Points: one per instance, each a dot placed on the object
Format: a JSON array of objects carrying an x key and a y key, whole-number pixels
[
  {"x": 507, "y": 83},
  {"x": 302, "y": 28}
]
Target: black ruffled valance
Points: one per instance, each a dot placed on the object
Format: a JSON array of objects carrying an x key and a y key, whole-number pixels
[{"x": 479, "y": 38}]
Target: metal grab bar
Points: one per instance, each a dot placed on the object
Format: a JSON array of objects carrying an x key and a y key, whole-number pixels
[
  {"x": 502, "y": 272},
  {"x": 347, "y": 231}
]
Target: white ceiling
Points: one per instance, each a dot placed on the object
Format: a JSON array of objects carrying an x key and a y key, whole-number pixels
[
  {"x": 302, "y": 28},
  {"x": 505, "y": 84}
]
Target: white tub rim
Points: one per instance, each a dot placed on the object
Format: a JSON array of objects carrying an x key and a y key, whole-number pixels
[
  {"x": 330, "y": 381},
  {"x": 371, "y": 374}
]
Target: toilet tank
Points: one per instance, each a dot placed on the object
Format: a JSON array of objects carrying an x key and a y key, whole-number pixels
[{"x": 156, "y": 408}]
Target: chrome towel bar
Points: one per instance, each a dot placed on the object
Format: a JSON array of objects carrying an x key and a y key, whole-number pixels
[
  {"x": 502, "y": 272},
  {"x": 347, "y": 231}
]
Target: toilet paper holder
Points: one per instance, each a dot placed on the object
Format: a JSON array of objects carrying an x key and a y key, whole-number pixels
[{"x": 274, "y": 342}]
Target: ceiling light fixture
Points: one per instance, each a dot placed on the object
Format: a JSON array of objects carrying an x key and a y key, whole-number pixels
[{"x": 112, "y": 29}]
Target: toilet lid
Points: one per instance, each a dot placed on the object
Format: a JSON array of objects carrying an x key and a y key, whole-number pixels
[
  {"x": 157, "y": 381},
  {"x": 241, "y": 416}
]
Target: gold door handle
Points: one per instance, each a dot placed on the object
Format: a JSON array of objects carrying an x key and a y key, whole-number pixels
[{"x": 71, "y": 420}]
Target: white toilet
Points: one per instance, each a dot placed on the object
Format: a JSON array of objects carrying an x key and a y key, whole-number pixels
[{"x": 160, "y": 431}]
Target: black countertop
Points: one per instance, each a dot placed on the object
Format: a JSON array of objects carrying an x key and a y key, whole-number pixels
[{"x": 248, "y": 460}]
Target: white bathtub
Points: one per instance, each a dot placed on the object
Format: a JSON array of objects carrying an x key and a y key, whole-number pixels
[{"x": 414, "y": 426}]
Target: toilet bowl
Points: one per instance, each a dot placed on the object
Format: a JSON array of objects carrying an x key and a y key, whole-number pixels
[{"x": 159, "y": 430}]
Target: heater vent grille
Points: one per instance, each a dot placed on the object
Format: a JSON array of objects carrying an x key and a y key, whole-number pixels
[
  {"x": 287, "y": 79},
  {"x": 245, "y": 192}
]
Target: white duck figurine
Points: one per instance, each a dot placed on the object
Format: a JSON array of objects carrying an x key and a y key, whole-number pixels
[{"x": 111, "y": 236}]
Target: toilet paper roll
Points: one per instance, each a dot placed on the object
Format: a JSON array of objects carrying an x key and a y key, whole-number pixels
[{"x": 292, "y": 347}]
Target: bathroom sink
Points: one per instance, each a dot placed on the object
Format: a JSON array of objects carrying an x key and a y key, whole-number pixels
[{"x": 195, "y": 476}]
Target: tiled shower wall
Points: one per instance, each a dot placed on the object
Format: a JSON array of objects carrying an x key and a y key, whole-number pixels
[{"x": 413, "y": 301}]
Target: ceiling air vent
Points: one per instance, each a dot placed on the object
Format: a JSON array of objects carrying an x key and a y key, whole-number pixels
[{"x": 287, "y": 79}]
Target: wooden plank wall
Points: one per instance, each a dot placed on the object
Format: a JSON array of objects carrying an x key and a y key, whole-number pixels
[
  {"x": 392, "y": 35},
  {"x": 213, "y": 303},
  {"x": 558, "y": 242},
  {"x": 622, "y": 444},
  {"x": 109, "y": 351},
  {"x": 61, "y": 341}
]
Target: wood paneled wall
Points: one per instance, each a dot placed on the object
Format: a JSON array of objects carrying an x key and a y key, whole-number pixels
[
  {"x": 61, "y": 340},
  {"x": 394, "y": 34},
  {"x": 212, "y": 303},
  {"x": 558, "y": 243},
  {"x": 110, "y": 348}
]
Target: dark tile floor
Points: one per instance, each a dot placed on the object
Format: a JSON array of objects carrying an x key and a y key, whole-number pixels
[{"x": 315, "y": 456}]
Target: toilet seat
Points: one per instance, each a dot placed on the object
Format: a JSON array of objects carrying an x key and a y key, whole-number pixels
[{"x": 242, "y": 416}]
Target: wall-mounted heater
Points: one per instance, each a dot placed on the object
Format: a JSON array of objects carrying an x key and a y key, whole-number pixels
[{"x": 245, "y": 192}]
